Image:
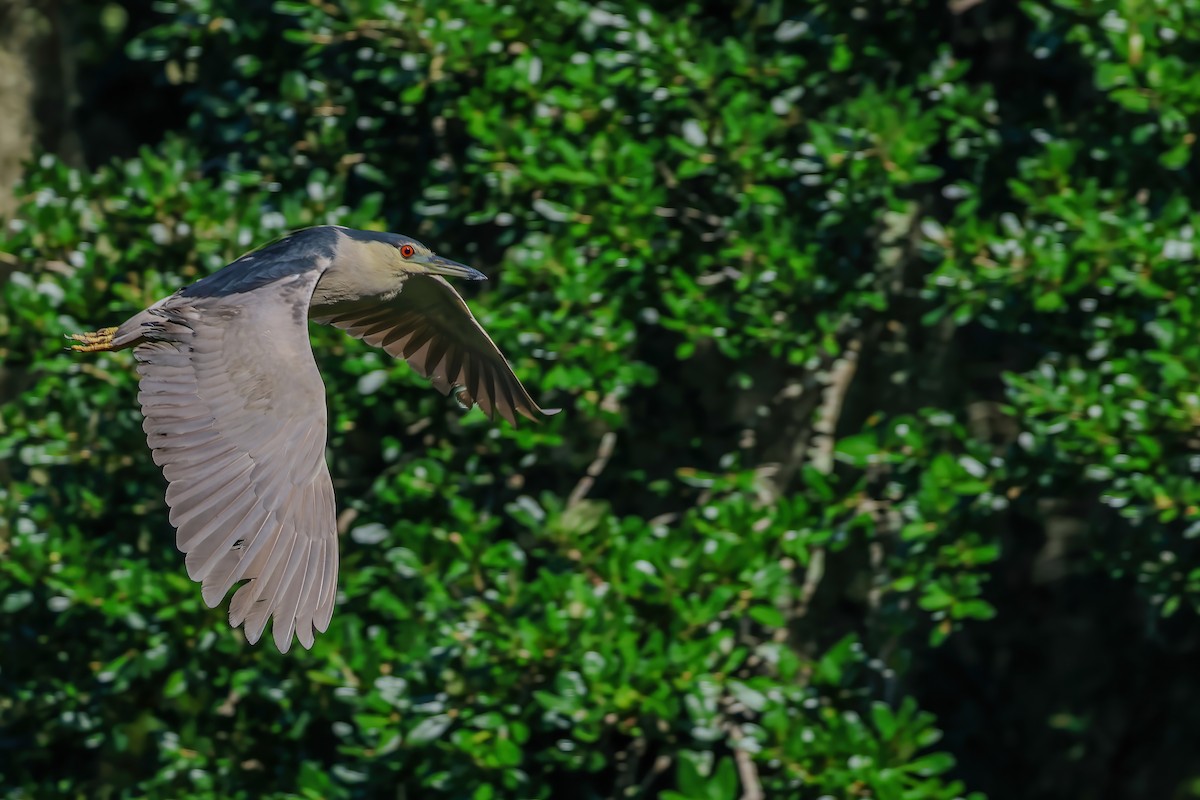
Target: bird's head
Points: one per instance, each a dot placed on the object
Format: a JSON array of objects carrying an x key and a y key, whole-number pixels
[{"x": 404, "y": 256}]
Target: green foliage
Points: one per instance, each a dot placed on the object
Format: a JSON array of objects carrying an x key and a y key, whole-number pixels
[{"x": 826, "y": 303}]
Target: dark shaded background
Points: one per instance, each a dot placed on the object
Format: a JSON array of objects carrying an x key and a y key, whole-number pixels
[{"x": 874, "y": 323}]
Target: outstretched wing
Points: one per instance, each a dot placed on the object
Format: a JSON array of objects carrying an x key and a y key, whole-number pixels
[
  {"x": 430, "y": 326},
  {"x": 235, "y": 415}
]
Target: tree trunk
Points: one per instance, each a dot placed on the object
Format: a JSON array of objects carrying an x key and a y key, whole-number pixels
[{"x": 36, "y": 90}]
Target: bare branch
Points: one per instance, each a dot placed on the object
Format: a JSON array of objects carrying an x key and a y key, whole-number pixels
[
  {"x": 605, "y": 450},
  {"x": 825, "y": 428},
  {"x": 747, "y": 769}
]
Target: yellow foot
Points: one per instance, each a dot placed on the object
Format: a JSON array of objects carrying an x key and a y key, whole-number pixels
[{"x": 93, "y": 340}]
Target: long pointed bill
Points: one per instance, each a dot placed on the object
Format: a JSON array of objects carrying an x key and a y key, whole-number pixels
[{"x": 436, "y": 265}]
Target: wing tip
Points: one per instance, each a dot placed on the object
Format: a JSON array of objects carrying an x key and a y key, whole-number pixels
[
  {"x": 252, "y": 636},
  {"x": 282, "y": 631},
  {"x": 305, "y": 634},
  {"x": 532, "y": 414},
  {"x": 210, "y": 596},
  {"x": 321, "y": 622}
]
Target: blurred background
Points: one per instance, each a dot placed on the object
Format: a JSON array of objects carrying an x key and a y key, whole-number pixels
[{"x": 875, "y": 325}]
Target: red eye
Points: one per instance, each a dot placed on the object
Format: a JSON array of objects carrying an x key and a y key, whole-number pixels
[{"x": 407, "y": 250}]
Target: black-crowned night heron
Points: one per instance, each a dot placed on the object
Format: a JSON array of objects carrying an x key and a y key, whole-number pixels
[{"x": 235, "y": 408}]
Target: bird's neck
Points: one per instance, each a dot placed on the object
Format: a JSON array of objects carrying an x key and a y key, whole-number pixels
[{"x": 339, "y": 287}]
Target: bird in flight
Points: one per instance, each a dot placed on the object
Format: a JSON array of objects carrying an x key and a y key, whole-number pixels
[{"x": 235, "y": 411}]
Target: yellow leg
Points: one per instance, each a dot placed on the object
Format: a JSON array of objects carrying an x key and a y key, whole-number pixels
[{"x": 92, "y": 341}]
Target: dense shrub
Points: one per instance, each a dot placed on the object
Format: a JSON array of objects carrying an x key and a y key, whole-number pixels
[{"x": 844, "y": 303}]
